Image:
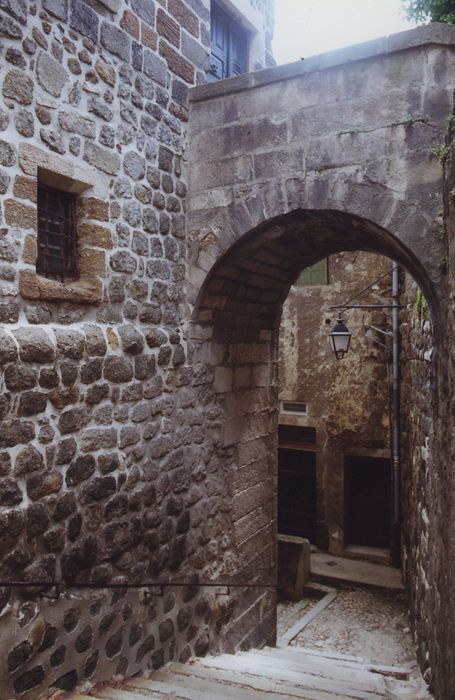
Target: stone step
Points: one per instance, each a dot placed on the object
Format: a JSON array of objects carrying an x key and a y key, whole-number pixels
[
  {"x": 194, "y": 683},
  {"x": 359, "y": 676},
  {"x": 238, "y": 685},
  {"x": 124, "y": 693},
  {"x": 278, "y": 674},
  {"x": 338, "y": 661},
  {"x": 260, "y": 666}
]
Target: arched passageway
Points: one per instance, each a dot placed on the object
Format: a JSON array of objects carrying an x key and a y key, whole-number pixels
[
  {"x": 235, "y": 329},
  {"x": 243, "y": 293}
]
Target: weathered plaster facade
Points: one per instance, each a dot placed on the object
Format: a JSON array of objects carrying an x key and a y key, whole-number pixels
[{"x": 347, "y": 401}]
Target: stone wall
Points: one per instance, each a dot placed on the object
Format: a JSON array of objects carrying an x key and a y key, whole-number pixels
[
  {"x": 445, "y": 665},
  {"x": 271, "y": 192},
  {"x": 419, "y": 495},
  {"x": 347, "y": 401},
  {"x": 428, "y": 458},
  {"x": 267, "y": 9},
  {"x": 108, "y": 466}
]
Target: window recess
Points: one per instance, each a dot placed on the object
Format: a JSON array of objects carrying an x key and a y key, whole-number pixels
[
  {"x": 316, "y": 274},
  {"x": 294, "y": 407},
  {"x": 229, "y": 46},
  {"x": 57, "y": 234}
]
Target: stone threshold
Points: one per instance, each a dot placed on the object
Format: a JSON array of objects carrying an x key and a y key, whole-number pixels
[{"x": 327, "y": 567}]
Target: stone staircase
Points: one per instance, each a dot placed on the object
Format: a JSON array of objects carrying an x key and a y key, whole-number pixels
[{"x": 278, "y": 674}]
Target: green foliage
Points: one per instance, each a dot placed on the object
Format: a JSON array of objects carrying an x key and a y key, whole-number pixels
[
  {"x": 440, "y": 153},
  {"x": 421, "y": 305},
  {"x": 442, "y": 265},
  {"x": 409, "y": 120},
  {"x": 430, "y": 10}
]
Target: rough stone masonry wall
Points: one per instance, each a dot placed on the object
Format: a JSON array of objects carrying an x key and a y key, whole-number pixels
[
  {"x": 428, "y": 457},
  {"x": 419, "y": 501},
  {"x": 445, "y": 663},
  {"x": 108, "y": 465},
  {"x": 267, "y": 9}
]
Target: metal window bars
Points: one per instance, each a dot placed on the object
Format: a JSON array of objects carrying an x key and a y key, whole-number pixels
[{"x": 57, "y": 235}]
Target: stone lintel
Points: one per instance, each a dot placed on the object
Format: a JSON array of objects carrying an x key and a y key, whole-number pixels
[
  {"x": 434, "y": 34},
  {"x": 60, "y": 172}
]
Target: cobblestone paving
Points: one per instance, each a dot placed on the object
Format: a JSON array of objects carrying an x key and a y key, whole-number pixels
[{"x": 368, "y": 623}]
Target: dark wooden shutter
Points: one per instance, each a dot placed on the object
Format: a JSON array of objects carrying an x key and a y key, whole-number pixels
[
  {"x": 237, "y": 51},
  {"x": 219, "y": 45},
  {"x": 228, "y": 46}
]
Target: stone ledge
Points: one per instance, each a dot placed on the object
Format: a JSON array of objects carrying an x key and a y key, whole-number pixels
[
  {"x": 82, "y": 291},
  {"x": 436, "y": 34}
]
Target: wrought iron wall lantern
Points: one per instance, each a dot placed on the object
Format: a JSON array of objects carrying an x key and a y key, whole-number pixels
[{"x": 340, "y": 338}]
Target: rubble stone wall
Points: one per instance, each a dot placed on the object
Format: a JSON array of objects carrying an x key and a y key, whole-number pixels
[
  {"x": 428, "y": 457},
  {"x": 108, "y": 468},
  {"x": 421, "y": 550}
]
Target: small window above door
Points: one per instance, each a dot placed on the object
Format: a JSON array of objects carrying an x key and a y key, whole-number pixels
[
  {"x": 229, "y": 44},
  {"x": 317, "y": 274}
]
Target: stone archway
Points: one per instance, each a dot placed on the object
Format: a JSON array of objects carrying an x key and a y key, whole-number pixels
[
  {"x": 234, "y": 332},
  {"x": 275, "y": 159}
]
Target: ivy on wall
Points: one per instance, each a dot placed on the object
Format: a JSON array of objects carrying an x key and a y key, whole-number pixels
[{"x": 430, "y": 10}]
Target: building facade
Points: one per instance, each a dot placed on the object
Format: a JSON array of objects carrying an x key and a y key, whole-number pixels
[
  {"x": 334, "y": 424},
  {"x": 139, "y": 378},
  {"x": 104, "y": 475}
]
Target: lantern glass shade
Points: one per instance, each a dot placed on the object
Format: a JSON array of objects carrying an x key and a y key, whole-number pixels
[{"x": 340, "y": 337}]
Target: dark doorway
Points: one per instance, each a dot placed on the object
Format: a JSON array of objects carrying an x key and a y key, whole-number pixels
[
  {"x": 297, "y": 513},
  {"x": 367, "y": 501}
]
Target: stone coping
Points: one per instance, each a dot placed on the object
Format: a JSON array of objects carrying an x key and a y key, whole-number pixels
[{"x": 436, "y": 33}]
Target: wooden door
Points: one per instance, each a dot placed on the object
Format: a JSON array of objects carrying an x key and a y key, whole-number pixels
[
  {"x": 367, "y": 488},
  {"x": 297, "y": 493}
]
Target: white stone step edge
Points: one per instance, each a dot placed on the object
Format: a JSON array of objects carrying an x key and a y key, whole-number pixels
[{"x": 399, "y": 672}]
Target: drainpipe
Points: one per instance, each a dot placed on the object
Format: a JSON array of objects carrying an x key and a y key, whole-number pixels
[{"x": 396, "y": 524}]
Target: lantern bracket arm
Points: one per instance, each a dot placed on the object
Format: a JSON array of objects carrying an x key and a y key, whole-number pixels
[
  {"x": 381, "y": 330},
  {"x": 368, "y": 306},
  {"x": 348, "y": 305}
]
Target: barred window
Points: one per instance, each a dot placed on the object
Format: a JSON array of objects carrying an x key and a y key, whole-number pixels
[{"x": 57, "y": 236}]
